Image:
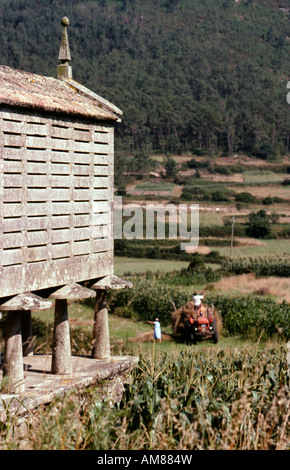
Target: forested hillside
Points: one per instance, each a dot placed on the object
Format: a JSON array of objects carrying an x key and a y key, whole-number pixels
[{"x": 205, "y": 76}]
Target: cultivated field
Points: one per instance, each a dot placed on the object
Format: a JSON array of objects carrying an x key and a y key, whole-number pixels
[{"x": 233, "y": 395}]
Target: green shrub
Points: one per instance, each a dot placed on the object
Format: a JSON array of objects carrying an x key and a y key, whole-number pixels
[
  {"x": 272, "y": 265},
  {"x": 245, "y": 197},
  {"x": 150, "y": 299},
  {"x": 253, "y": 315},
  {"x": 259, "y": 225},
  {"x": 267, "y": 201},
  {"x": 220, "y": 196}
]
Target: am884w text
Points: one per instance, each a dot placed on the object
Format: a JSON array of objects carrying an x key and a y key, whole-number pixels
[{"x": 165, "y": 459}]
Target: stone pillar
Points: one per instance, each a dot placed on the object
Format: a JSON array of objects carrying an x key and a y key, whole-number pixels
[
  {"x": 16, "y": 307},
  {"x": 101, "y": 337},
  {"x": 61, "y": 350},
  {"x": 61, "y": 362},
  {"x": 26, "y": 331},
  {"x": 13, "y": 359}
]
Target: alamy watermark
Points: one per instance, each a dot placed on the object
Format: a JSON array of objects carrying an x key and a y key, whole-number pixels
[{"x": 157, "y": 221}]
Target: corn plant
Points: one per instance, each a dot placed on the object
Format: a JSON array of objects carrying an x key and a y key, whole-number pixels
[
  {"x": 260, "y": 265},
  {"x": 189, "y": 400}
]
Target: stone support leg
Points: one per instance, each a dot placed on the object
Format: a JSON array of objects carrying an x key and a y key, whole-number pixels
[
  {"x": 61, "y": 353},
  {"x": 26, "y": 331},
  {"x": 101, "y": 337},
  {"x": 13, "y": 358}
]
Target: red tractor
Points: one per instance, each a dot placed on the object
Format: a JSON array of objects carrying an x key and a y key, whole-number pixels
[
  {"x": 194, "y": 325},
  {"x": 202, "y": 327}
]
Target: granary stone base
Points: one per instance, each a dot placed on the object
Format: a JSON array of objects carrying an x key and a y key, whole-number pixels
[{"x": 41, "y": 387}]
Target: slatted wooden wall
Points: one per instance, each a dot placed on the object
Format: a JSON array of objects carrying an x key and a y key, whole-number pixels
[{"x": 56, "y": 197}]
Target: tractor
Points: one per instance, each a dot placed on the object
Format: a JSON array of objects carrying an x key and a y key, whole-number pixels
[
  {"x": 196, "y": 325},
  {"x": 202, "y": 326}
]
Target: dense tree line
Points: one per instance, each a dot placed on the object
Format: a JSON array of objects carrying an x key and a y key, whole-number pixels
[{"x": 207, "y": 76}]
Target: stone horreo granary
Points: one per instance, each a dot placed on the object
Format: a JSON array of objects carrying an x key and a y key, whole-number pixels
[{"x": 56, "y": 209}]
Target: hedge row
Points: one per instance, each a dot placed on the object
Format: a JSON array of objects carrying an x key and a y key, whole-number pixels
[{"x": 248, "y": 315}]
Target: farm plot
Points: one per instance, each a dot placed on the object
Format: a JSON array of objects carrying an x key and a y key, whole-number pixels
[
  {"x": 262, "y": 177},
  {"x": 153, "y": 189},
  {"x": 271, "y": 190}
]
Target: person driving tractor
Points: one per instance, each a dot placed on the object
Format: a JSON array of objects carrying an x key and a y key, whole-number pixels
[{"x": 197, "y": 298}]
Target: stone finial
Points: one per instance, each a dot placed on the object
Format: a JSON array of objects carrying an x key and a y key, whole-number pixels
[{"x": 64, "y": 70}]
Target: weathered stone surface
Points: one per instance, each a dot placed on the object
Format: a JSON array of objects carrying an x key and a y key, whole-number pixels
[
  {"x": 112, "y": 282},
  {"x": 72, "y": 292},
  {"x": 61, "y": 349},
  {"x": 13, "y": 366},
  {"x": 26, "y": 333},
  {"x": 56, "y": 185},
  {"x": 42, "y": 387},
  {"x": 25, "y": 302},
  {"x": 101, "y": 336},
  {"x": 57, "y": 190}
]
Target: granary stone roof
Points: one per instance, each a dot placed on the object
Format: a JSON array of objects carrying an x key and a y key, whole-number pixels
[{"x": 28, "y": 90}]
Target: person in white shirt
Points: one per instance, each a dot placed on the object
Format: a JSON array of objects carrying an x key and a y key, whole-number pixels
[
  {"x": 157, "y": 330},
  {"x": 197, "y": 298}
]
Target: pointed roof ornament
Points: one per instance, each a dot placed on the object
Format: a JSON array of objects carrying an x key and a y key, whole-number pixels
[{"x": 64, "y": 70}]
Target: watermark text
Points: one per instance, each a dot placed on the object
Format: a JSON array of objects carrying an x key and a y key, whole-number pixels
[{"x": 157, "y": 222}]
